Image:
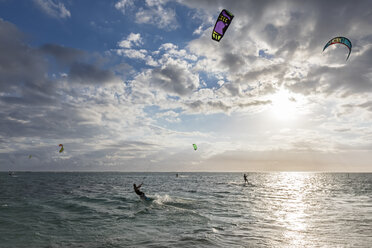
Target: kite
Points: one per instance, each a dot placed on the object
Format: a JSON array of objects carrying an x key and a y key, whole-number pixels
[
  {"x": 61, "y": 148},
  {"x": 222, "y": 23},
  {"x": 30, "y": 156},
  {"x": 195, "y": 147},
  {"x": 340, "y": 40}
]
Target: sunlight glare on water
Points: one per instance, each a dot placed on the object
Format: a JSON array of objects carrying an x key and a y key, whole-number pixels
[
  {"x": 192, "y": 210},
  {"x": 292, "y": 213}
]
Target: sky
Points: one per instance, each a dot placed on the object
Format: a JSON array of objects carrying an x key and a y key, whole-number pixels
[{"x": 130, "y": 85}]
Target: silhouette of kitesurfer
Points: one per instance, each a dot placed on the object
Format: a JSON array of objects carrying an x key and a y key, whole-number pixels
[{"x": 245, "y": 178}]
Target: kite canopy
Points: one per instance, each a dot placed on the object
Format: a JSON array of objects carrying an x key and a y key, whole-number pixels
[
  {"x": 222, "y": 23},
  {"x": 195, "y": 147},
  {"x": 30, "y": 156},
  {"x": 61, "y": 148},
  {"x": 340, "y": 40}
]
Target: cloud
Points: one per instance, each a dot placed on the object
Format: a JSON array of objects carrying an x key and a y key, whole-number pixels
[
  {"x": 37, "y": 106},
  {"x": 122, "y": 5},
  {"x": 91, "y": 74},
  {"x": 351, "y": 78},
  {"x": 127, "y": 51},
  {"x": 63, "y": 54},
  {"x": 169, "y": 116},
  {"x": 171, "y": 79},
  {"x": 172, "y": 51},
  {"x": 132, "y": 53},
  {"x": 140, "y": 54},
  {"x": 158, "y": 16},
  {"x": 153, "y": 13},
  {"x": 174, "y": 78},
  {"x": 366, "y": 106},
  {"x": 131, "y": 40},
  {"x": 53, "y": 9},
  {"x": 22, "y": 69},
  {"x": 219, "y": 106}
]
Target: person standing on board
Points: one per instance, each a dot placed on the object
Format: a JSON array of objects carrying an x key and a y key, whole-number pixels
[
  {"x": 245, "y": 178},
  {"x": 138, "y": 192}
]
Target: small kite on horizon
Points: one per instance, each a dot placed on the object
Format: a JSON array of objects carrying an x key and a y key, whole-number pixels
[
  {"x": 62, "y": 149},
  {"x": 195, "y": 147}
]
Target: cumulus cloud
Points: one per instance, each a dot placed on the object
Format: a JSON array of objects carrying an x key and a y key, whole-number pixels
[
  {"x": 351, "y": 78},
  {"x": 32, "y": 103},
  {"x": 22, "y": 69},
  {"x": 127, "y": 49},
  {"x": 91, "y": 74},
  {"x": 153, "y": 13},
  {"x": 53, "y": 9},
  {"x": 163, "y": 18},
  {"x": 173, "y": 78},
  {"x": 131, "y": 40},
  {"x": 123, "y": 5},
  {"x": 169, "y": 116},
  {"x": 132, "y": 53},
  {"x": 140, "y": 54}
]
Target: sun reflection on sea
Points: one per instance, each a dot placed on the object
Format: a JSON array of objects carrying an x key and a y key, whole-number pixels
[{"x": 291, "y": 208}]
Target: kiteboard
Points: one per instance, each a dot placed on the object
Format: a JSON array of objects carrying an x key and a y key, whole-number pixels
[
  {"x": 248, "y": 184},
  {"x": 145, "y": 198}
]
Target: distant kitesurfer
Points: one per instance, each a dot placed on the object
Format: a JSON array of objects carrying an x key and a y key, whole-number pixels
[
  {"x": 177, "y": 175},
  {"x": 245, "y": 178},
  {"x": 138, "y": 192}
]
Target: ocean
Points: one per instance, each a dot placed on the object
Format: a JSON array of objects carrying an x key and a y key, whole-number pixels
[{"x": 100, "y": 209}]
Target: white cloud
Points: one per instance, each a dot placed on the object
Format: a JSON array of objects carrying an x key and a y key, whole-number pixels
[
  {"x": 199, "y": 30},
  {"x": 132, "y": 40},
  {"x": 127, "y": 51},
  {"x": 154, "y": 12},
  {"x": 53, "y": 9},
  {"x": 172, "y": 78},
  {"x": 171, "y": 50},
  {"x": 154, "y": 3},
  {"x": 163, "y": 18},
  {"x": 140, "y": 54},
  {"x": 169, "y": 116},
  {"x": 132, "y": 53},
  {"x": 122, "y": 5}
]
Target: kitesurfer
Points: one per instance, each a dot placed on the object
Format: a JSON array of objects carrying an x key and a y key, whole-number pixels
[
  {"x": 138, "y": 192},
  {"x": 245, "y": 178}
]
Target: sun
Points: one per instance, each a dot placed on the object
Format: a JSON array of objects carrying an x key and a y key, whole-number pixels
[{"x": 284, "y": 105}]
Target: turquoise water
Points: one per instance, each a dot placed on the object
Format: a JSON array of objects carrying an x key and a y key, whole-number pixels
[{"x": 193, "y": 210}]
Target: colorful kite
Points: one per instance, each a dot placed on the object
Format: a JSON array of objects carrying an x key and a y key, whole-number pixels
[
  {"x": 222, "y": 23},
  {"x": 195, "y": 147},
  {"x": 340, "y": 40},
  {"x": 61, "y": 148}
]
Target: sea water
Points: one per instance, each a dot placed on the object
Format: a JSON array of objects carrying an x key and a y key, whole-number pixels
[{"x": 191, "y": 210}]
